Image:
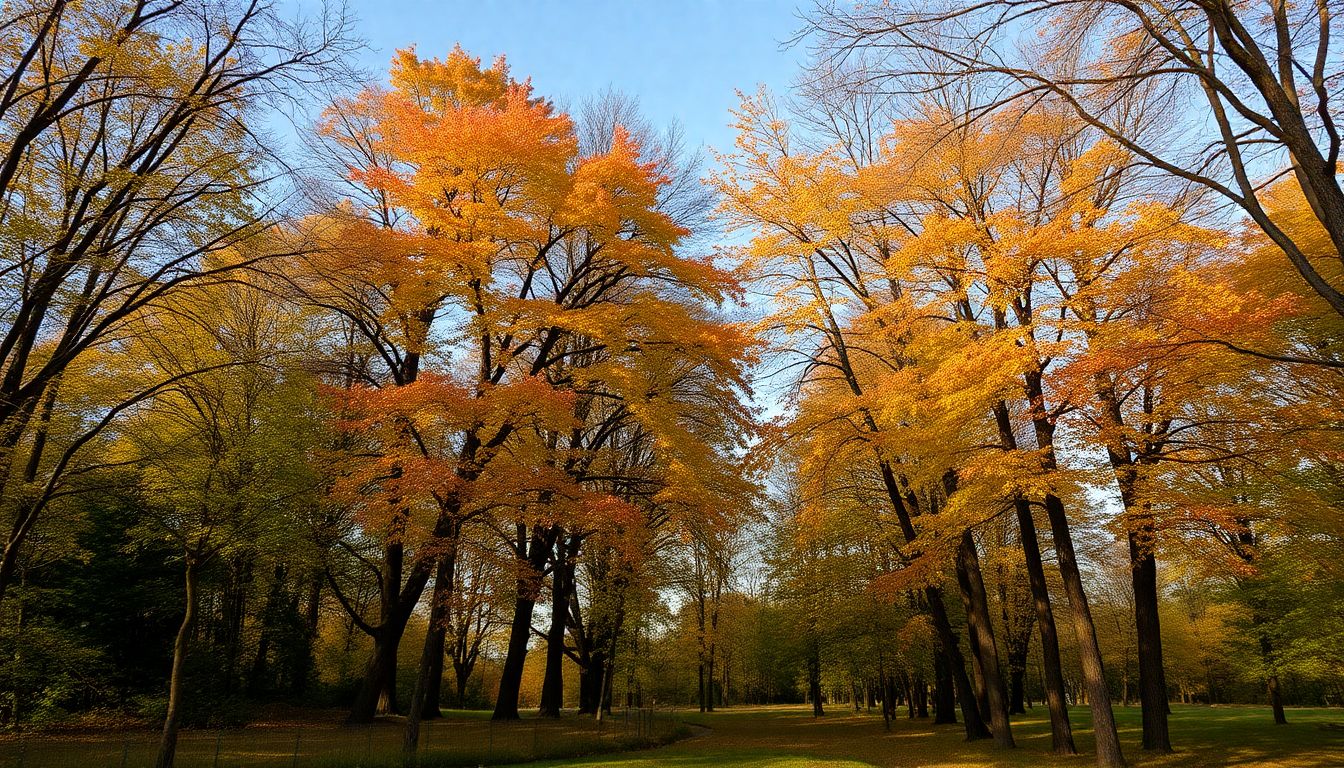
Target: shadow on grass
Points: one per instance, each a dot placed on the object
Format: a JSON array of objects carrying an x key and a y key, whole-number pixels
[{"x": 1244, "y": 737}]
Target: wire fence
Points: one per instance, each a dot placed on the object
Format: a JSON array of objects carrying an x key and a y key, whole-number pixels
[{"x": 455, "y": 742}]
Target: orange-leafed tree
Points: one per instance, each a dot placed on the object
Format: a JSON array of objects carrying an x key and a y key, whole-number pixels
[{"x": 482, "y": 241}]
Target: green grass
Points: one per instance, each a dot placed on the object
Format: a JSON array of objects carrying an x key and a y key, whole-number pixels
[
  {"x": 461, "y": 739},
  {"x": 779, "y": 737},
  {"x": 759, "y": 737}
]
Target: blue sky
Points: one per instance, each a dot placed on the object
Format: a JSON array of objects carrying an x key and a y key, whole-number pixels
[{"x": 684, "y": 59}]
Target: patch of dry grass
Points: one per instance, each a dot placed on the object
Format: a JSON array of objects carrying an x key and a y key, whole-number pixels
[{"x": 780, "y": 737}]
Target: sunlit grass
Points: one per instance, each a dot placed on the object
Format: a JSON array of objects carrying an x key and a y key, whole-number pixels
[
  {"x": 462, "y": 738},
  {"x": 790, "y": 738}
]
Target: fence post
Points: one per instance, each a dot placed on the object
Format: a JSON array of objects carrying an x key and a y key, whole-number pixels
[
  {"x": 298, "y": 732},
  {"x": 23, "y": 751},
  {"x": 219, "y": 736},
  {"x": 125, "y": 750},
  {"x": 490, "y": 749}
]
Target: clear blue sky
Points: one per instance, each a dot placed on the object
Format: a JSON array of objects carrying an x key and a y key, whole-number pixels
[{"x": 684, "y": 59}]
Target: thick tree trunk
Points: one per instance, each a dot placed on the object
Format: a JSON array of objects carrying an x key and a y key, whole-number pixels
[
  {"x": 970, "y": 713},
  {"x": 553, "y": 683},
  {"x": 378, "y": 693},
  {"x": 429, "y": 681},
  {"x": 814, "y": 680},
  {"x": 982, "y": 639},
  {"x": 944, "y": 696},
  {"x": 431, "y": 708},
  {"x": 173, "y": 717},
  {"x": 511, "y": 676},
  {"x": 1152, "y": 676},
  {"x": 531, "y": 553},
  {"x": 590, "y": 683},
  {"x": 1109, "y": 754},
  {"x": 1061, "y": 730}
]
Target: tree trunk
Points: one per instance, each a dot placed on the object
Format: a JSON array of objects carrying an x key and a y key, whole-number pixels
[
  {"x": 814, "y": 679},
  {"x": 531, "y": 553},
  {"x": 982, "y": 638},
  {"x": 303, "y": 674},
  {"x": 257, "y": 678},
  {"x": 1109, "y": 754},
  {"x": 378, "y": 693},
  {"x": 709, "y": 679},
  {"x": 590, "y": 682},
  {"x": 429, "y": 681},
  {"x": 511, "y": 676},
  {"x": 1272, "y": 681},
  {"x": 173, "y": 717},
  {"x": 1017, "y": 700},
  {"x": 1061, "y": 730},
  {"x": 921, "y": 697},
  {"x": 553, "y": 684},
  {"x": 947, "y": 639},
  {"x": 700, "y": 686},
  {"x": 1152, "y": 677},
  {"x": 965, "y": 694},
  {"x": 944, "y": 698}
]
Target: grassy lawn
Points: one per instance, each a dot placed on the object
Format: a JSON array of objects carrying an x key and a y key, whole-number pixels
[
  {"x": 462, "y": 738},
  {"x": 758, "y": 737},
  {"x": 779, "y": 737}
]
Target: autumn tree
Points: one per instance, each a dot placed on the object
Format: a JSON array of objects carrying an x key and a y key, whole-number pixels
[
  {"x": 221, "y": 451},
  {"x": 823, "y": 252},
  {"x": 1252, "y": 86},
  {"x": 130, "y": 168},
  {"x": 553, "y": 272}
]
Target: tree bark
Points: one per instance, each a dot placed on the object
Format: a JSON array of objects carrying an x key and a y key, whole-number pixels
[
  {"x": 173, "y": 717},
  {"x": 378, "y": 693},
  {"x": 944, "y": 696},
  {"x": 530, "y": 553},
  {"x": 982, "y": 639},
  {"x": 1109, "y": 754},
  {"x": 1152, "y": 676},
  {"x": 1061, "y": 730},
  {"x": 814, "y": 679},
  {"x": 562, "y": 574},
  {"x": 511, "y": 676},
  {"x": 429, "y": 681}
]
